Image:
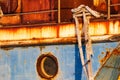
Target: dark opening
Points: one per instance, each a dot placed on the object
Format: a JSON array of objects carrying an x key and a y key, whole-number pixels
[{"x": 50, "y": 66}]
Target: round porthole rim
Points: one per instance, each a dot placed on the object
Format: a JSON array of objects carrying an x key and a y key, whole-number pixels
[{"x": 40, "y": 62}]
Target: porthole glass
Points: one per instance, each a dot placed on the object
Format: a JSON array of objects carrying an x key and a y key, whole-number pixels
[{"x": 47, "y": 66}]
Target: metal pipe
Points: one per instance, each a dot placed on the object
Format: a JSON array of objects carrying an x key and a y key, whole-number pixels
[
  {"x": 115, "y": 4},
  {"x": 88, "y": 45},
  {"x": 108, "y": 17},
  {"x": 80, "y": 47},
  {"x": 38, "y": 12},
  {"x": 59, "y": 20}
]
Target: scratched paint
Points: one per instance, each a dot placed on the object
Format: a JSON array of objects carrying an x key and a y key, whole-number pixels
[{"x": 21, "y": 62}]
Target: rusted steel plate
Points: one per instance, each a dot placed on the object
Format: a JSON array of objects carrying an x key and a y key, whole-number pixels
[
  {"x": 110, "y": 69},
  {"x": 36, "y": 5},
  {"x": 9, "y": 6},
  {"x": 38, "y": 41},
  {"x": 62, "y": 30},
  {"x": 99, "y": 31},
  {"x": 65, "y": 30},
  {"x": 101, "y": 6},
  {"x": 10, "y": 20}
]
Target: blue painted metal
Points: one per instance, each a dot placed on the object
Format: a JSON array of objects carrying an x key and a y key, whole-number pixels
[
  {"x": 19, "y": 63},
  {"x": 110, "y": 70}
]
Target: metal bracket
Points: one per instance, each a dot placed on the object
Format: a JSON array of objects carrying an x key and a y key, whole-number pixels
[{"x": 85, "y": 13}]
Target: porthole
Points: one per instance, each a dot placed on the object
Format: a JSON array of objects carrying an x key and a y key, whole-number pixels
[{"x": 47, "y": 66}]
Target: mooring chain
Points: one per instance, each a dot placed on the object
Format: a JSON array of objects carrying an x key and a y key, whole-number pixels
[{"x": 85, "y": 12}]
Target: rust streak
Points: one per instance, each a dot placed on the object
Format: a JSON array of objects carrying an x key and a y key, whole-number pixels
[
  {"x": 105, "y": 57},
  {"x": 22, "y": 33}
]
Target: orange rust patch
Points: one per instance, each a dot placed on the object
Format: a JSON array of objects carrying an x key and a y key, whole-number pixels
[
  {"x": 105, "y": 58},
  {"x": 37, "y": 5},
  {"x": 116, "y": 51},
  {"x": 9, "y": 20}
]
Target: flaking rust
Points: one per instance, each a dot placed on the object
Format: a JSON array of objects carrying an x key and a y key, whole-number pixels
[
  {"x": 107, "y": 54},
  {"x": 117, "y": 51}
]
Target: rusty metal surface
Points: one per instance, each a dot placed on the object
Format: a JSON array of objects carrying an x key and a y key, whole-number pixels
[
  {"x": 102, "y": 5},
  {"x": 20, "y": 62},
  {"x": 9, "y": 20},
  {"x": 110, "y": 68},
  {"x": 20, "y": 7},
  {"x": 9, "y": 6},
  {"x": 100, "y": 31}
]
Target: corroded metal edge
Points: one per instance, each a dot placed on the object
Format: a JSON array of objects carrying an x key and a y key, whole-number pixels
[{"x": 49, "y": 41}]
